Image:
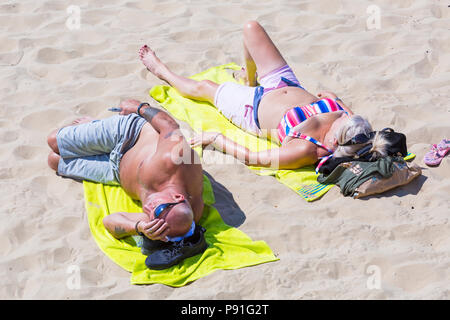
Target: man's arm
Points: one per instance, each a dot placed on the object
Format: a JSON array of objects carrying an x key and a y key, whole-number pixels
[
  {"x": 160, "y": 120},
  {"x": 124, "y": 224}
]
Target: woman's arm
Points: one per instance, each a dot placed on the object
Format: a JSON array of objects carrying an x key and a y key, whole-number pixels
[{"x": 291, "y": 156}]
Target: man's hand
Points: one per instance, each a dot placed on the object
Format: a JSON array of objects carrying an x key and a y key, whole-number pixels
[
  {"x": 327, "y": 94},
  {"x": 156, "y": 229},
  {"x": 129, "y": 106}
]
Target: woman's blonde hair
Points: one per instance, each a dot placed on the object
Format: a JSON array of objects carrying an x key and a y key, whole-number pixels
[{"x": 358, "y": 125}]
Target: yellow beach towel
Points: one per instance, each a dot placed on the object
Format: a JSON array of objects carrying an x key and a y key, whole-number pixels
[
  {"x": 228, "y": 247},
  {"x": 202, "y": 116}
]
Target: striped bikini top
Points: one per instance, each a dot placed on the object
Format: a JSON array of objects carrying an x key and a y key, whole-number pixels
[{"x": 297, "y": 115}]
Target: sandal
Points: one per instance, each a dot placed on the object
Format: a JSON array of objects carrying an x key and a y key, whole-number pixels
[{"x": 437, "y": 153}]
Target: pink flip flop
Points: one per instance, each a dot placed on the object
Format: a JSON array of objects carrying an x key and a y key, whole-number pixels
[{"x": 437, "y": 153}]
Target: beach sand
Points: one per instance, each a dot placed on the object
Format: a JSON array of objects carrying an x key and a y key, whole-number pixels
[{"x": 396, "y": 74}]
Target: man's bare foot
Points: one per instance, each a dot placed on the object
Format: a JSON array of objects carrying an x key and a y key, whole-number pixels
[
  {"x": 152, "y": 62},
  {"x": 82, "y": 120}
]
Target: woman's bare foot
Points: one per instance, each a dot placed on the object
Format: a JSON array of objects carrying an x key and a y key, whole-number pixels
[
  {"x": 152, "y": 62},
  {"x": 241, "y": 75},
  {"x": 203, "y": 90}
]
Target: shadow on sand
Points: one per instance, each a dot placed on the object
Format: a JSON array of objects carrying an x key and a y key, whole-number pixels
[{"x": 228, "y": 209}]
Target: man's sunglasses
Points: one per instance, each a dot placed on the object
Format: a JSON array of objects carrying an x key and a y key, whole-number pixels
[
  {"x": 360, "y": 138},
  {"x": 159, "y": 209}
]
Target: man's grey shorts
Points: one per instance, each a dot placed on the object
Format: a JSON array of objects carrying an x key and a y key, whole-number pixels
[{"x": 92, "y": 151}]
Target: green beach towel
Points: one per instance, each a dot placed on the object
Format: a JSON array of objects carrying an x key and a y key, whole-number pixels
[
  {"x": 202, "y": 116},
  {"x": 228, "y": 247}
]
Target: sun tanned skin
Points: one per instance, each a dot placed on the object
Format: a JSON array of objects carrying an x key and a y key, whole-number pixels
[
  {"x": 153, "y": 172},
  {"x": 153, "y": 165},
  {"x": 149, "y": 166},
  {"x": 262, "y": 56}
]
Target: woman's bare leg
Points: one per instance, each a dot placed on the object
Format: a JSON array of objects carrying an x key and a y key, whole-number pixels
[
  {"x": 260, "y": 52},
  {"x": 204, "y": 90}
]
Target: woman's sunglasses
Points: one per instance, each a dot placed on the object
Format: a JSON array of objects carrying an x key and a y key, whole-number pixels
[{"x": 360, "y": 138}]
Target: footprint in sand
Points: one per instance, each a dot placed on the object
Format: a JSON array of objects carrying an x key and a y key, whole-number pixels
[
  {"x": 10, "y": 54},
  {"x": 27, "y": 152},
  {"x": 62, "y": 255},
  {"x": 6, "y": 173},
  {"x": 39, "y": 183},
  {"x": 424, "y": 68},
  {"x": 8, "y": 136},
  {"x": 111, "y": 70},
  {"x": 368, "y": 49},
  {"x": 163, "y": 9},
  {"x": 44, "y": 121},
  {"x": 91, "y": 107},
  {"x": 440, "y": 11},
  {"x": 55, "y": 56},
  {"x": 11, "y": 58},
  {"x": 10, "y": 8},
  {"x": 424, "y": 274},
  {"x": 315, "y": 53},
  {"x": 189, "y": 35}
]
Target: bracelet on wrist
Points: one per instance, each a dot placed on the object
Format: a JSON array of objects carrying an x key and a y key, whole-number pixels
[
  {"x": 140, "y": 106},
  {"x": 136, "y": 228}
]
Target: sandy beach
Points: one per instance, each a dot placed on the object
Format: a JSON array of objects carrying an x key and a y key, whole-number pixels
[{"x": 394, "y": 71}]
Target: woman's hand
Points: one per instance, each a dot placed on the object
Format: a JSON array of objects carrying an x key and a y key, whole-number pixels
[
  {"x": 129, "y": 106},
  {"x": 327, "y": 94},
  {"x": 204, "y": 138},
  {"x": 156, "y": 229}
]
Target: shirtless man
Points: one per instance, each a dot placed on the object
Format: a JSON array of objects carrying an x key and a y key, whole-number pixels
[{"x": 140, "y": 152}]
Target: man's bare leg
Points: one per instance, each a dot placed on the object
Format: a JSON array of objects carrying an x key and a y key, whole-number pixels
[
  {"x": 51, "y": 139},
  {"x": 53, "y": 160},
  {"x": 53, "y": 156},
  {"x": 204, "y": 90}
]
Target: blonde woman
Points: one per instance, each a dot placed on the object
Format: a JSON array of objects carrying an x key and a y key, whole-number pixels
[{"x": 307, "y": 127}]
